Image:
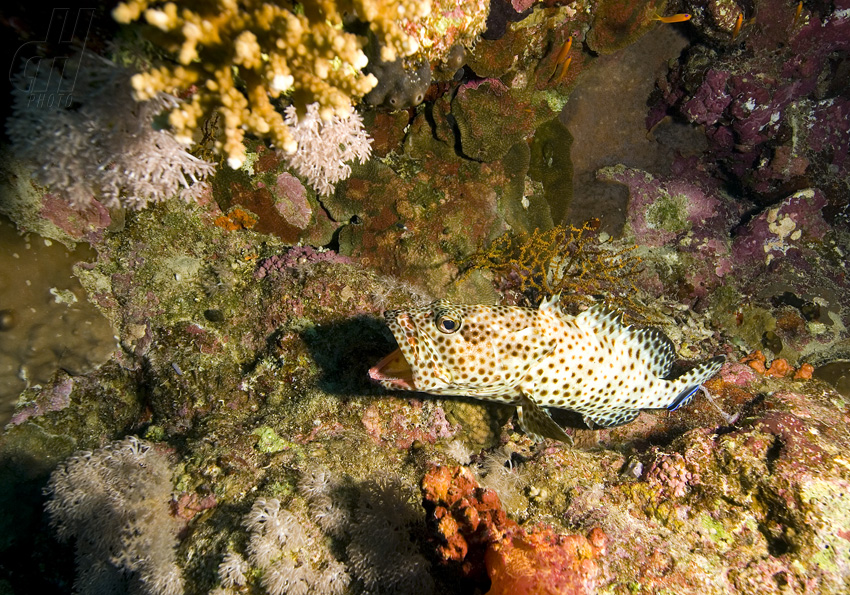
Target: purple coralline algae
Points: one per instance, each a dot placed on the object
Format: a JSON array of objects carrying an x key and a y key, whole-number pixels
[
  {"x": 789, "y": 225},
  {"x": 79, "y": 223},
  {"x": 737, "y": 374},
  {"x": 710, "y": 100},
  {"x": 690, "y": 214},
  {"x": 687, "y": 212},
  {"x": 661, "y": 210},
  {"x": 297, "y": 257},
  {"x": 672, "y": 475},
  {"x": 291, "y": 200},
  {"x": 54, "y": 397},
  {"x": 773, "y": 110},
  {"x": 399, "y": 426}
]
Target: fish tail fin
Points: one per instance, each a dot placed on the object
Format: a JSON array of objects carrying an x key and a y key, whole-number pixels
[{"x": 688, "y": 383}]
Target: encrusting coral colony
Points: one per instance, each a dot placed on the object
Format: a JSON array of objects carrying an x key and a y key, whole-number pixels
[{"x": 656, "y": 184}]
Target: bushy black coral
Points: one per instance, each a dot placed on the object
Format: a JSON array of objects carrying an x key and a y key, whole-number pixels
[
  {"x": 115, "y": 503},
  {"x": 89, "y": 138}
]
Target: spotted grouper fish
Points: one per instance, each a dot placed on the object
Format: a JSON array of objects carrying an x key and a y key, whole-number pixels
[{"x": 534, "y": 358}]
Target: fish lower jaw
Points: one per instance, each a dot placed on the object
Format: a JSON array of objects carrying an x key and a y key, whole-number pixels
[{"x": 393, "y": 372}]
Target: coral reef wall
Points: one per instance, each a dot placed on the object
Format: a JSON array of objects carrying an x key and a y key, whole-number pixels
[{"x": 255, "y": 183}]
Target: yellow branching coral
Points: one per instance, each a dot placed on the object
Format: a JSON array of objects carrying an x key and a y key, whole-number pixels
[
  {"x": 576, "y": 262},
  {"x": 239, "y": 55}
]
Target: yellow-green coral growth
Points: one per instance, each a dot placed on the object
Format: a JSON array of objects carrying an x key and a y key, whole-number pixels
[
  {"x": 577, "y": 262},
  {"x": 237, "y": 56}
]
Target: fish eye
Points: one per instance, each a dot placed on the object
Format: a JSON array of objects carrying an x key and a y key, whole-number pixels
[{"x": 447, "y": 324}]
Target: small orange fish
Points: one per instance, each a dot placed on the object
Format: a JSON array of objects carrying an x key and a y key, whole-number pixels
[
  {"x": 564, "y": 50},
  {"x": 564, "y": 67},
  {"x": 738, "y": 23},
  {"x": 563, "y": 59},
  {"x": 675, "y": 18},
  {"x": 797, "y": 13}
]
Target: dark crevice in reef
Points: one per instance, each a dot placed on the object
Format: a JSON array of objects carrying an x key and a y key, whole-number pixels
[{"x": 773, "y": 453}]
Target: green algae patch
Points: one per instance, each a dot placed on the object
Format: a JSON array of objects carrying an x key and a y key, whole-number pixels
[
  {"x": 155, "y": 433},
  {"x": 749, "y": 326},
  {"x": 669, "y": 213},
  {"x": 716, "y": 531},
  {"x": 827, "y": 501},
  {"x": 269, "y": 442},
  {"x": 487, "y": 123}
]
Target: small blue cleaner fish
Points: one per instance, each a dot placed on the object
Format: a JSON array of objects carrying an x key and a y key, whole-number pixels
[{"x": 590, "y": 363}]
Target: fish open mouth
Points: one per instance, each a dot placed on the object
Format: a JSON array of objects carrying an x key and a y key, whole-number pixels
[{"x": 393, "y": 372}]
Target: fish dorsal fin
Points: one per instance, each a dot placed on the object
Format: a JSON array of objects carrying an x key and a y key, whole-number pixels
[
  {"x": 602, "y": 321},
  {"x": 552, "y": 304},
  {"x": 649, "y": 346},
  {"x": 654, "y": 349}
]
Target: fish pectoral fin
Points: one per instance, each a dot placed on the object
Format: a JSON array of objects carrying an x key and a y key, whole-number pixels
[
  {"x": 609, "y": 419},
  {"x": 537, "y": 423}
]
